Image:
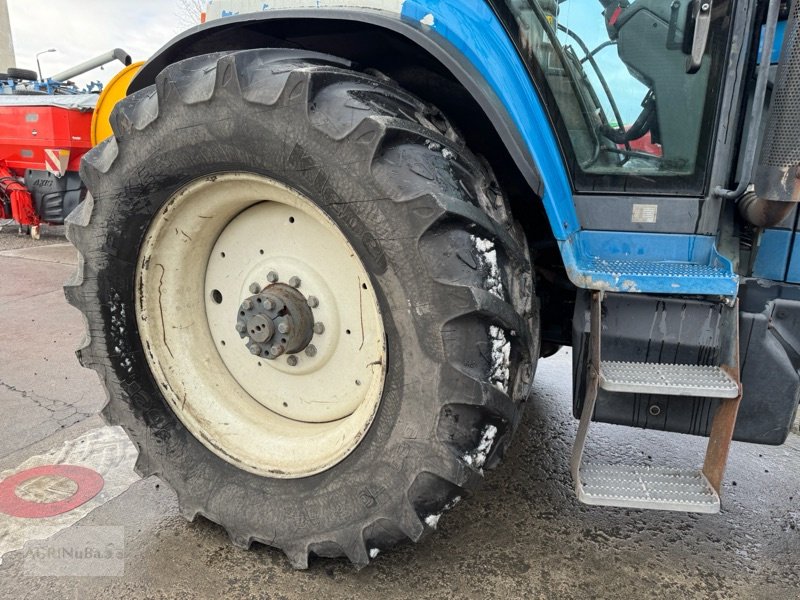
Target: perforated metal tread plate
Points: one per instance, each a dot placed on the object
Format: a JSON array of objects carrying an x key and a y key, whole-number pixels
[
  {"x": 643, "y": 268},
  {"x": 653, "y": 488},
  {"x": 666, "y": 379}
]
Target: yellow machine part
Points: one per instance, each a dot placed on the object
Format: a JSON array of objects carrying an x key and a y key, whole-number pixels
[{"x": 114, "y": 91}]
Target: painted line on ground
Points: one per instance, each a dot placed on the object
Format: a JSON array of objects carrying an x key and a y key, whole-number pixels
[{"x": 50, "y": 492}]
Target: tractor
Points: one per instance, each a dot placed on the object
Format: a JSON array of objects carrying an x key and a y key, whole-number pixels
[{"x": 329, "y": 240}]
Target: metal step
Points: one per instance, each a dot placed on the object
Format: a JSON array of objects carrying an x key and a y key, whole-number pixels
[
  {"x": 669, "y": 270},
  {"x": 666, "y": 379},
  {"x": 656, "y": 488},
  {"x": 714, "y": 276},
  {"x": 659, "y": 488}
]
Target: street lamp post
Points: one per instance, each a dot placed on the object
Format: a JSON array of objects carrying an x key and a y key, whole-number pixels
[{"x": 39, "y": 66}]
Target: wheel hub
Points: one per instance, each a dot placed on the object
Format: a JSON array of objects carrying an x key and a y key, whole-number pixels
[
  {"x": 276, "y": 320},
  {"x": 270, "y": 349}
]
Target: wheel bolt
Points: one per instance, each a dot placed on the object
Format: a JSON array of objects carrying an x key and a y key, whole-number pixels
[
  {"x": 254, "y": 288},
  {"x": 311, "y": 350},
  {"x": 284, "y": 328},
  {"x": 276, "y": 351},
  {"x": 272, "y": 277},
  {"x": 292, "y": 361},
  {"x": 240, "y": 326},
  {"x": 247, "y": 304},
  {"x": 319, "y": 328},
  {"x": 313, "y": 302},
  {"x": 267, "y": 303},
  {"x": 294, "y": 282},
  {"x": 255, "y": 349}
]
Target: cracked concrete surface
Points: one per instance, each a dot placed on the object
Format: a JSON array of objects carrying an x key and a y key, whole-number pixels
[
  {"x": 523, "y": 535},
  {"x": 40, "y": 375}
]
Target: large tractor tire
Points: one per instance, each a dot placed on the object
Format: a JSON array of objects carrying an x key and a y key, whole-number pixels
[{"x": 307, "y": 299}]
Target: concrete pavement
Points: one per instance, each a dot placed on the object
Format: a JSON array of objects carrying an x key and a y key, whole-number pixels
[{"x": 523, "y": 535}]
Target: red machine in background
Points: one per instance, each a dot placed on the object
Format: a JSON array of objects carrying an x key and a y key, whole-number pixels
[
  {"x": 46, "y": 126},
  {"x": 42, "y": 141}
]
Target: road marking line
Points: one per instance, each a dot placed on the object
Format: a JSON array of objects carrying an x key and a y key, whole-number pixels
[{"x": 102, "y": 457}]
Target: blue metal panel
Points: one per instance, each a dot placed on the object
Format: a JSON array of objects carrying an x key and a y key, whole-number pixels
[
  {"x": 648, "y": 262},
  {"x": 793, "y": 274},
  {"x": 773, "y": 253},
  {"x": 475, "y": 31},
  {"x": 647, "y": 246},
  {"x": 775, "y": 55}
]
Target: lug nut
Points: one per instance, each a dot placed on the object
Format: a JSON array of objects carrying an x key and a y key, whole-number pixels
[
  {"x": 292, "y": 361},
  {"x": 319, "y": 328},
  {"x": 255, "y": 288},
  {"x": 311, "y": 350},
  {"x": 247, "y": 304},
  {"x": 276, "y": 351},
  {"x": 240, "y": 326},
  {"x": 272, "y": 277},
  {"x": 313, "y": 302},
  {"x": 284, "y": 328},
  {"x": 267, "y": 303},
  {"x": 294, "y": 282},
  {"x": 255, "y": 349}
]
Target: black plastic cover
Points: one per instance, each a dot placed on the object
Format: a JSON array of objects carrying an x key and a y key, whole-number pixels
[{"x": 54, "y": 197}]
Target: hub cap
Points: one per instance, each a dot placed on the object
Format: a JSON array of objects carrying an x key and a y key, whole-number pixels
[
  {"x": 261, "y": 325},
  {"x": 275, "y": 322}
]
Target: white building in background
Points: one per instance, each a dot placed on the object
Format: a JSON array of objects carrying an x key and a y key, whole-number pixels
[{"x": 7, "y": 58}]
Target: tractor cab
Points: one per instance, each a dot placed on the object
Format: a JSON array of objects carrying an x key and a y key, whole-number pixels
[{"x": 632, "y": 109}]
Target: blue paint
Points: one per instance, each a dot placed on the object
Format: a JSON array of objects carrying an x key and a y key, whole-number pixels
[
  {"x": 648, "y": 262},
  {"x": 777, "y": 44},
  {"x": 773, "y": 254},
  {"x": 647, "y": 246},
  {"x": 793, "y": 274},
  {"x": 474, "y": 30}
]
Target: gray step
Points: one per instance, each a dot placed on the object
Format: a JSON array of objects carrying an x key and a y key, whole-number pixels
[
  {"x": 667, "y": 379},
  {"x": 655, "y": 488}
]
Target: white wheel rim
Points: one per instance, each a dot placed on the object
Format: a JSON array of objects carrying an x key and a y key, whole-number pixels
[{"x": 293, "y": 416}]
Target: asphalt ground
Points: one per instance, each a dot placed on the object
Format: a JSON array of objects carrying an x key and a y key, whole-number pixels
[{"x": 523, "y": 535}]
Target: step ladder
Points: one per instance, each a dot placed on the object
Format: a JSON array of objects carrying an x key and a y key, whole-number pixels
[{"x": 659, "y": 488}]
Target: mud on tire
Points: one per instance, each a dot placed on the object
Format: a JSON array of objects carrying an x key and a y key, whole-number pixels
[{"x": 450, "y": 268}]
